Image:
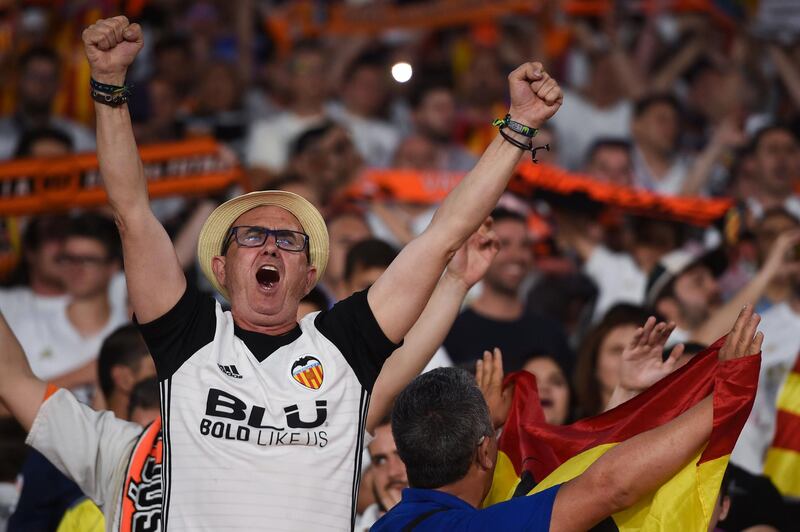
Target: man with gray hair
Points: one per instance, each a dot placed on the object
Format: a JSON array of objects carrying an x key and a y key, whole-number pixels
[{"x": 445, "y": 436}]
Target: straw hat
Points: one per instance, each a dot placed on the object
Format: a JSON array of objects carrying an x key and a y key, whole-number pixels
[{"x": 218, "y": 224}]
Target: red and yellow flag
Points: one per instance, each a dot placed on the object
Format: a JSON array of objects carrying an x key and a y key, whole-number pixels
[
  {"x": 535, "y": 456},
  {"x": 782, "y": 465}
]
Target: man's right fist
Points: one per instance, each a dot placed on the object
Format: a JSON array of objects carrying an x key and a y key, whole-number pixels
[{"x": 111, "y": 46}]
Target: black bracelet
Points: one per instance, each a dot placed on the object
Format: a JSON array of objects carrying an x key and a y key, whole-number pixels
[
  {"x": 114, "y": 100},
  {"x": 516, "y": 127},
  {"x": 524, "y": 147},
  {"x": 103, "y": 87}
]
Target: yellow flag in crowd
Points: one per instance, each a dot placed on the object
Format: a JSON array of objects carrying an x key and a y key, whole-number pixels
[
  {"x": 783, "y": 458},
  {"x": 535, "y": 456}
]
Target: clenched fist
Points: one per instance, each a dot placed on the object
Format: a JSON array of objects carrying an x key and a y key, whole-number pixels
[
  {"x": 535, "y": 96},
  {"x": 111, "y": 46}
]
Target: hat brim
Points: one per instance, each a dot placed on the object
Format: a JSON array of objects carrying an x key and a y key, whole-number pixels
[{"x": 216, "y": 228}]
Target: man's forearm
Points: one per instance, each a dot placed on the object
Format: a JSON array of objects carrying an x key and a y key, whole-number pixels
[
  {"x": 468, "y": 205},
  {"x": 645, "y": 462},
  {"x": 20, "y": 390},
  {"x": 120, "y": 164},
  {"x": 420, "y": 344}
]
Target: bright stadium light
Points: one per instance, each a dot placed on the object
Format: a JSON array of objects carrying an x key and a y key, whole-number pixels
[{"x": 402, "y": 72}]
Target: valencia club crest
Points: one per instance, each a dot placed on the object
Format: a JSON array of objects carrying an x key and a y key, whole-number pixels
[{"x": 307, "y": 370}]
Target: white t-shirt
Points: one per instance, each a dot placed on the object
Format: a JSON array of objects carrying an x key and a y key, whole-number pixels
[
  {"x": 92, "y": 448},
  {"x": 618, "y": 279},
  {"x": 579, "y": 123},
  {"x": 669, "y": 184},
  {"x": 47, "y": 337},
  {"x": 269, "y": 140},
  {"x": 781, "y": 328},
  {"x": 375, "y": 140}
]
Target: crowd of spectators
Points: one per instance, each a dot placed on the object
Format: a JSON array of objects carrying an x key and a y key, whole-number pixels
[{"x": 679, "y": 103}]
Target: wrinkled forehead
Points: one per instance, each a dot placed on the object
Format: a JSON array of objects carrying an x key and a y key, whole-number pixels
[{"x": 269, "y": 216}]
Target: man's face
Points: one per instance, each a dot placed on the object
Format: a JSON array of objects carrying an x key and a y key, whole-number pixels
[
  {"x": 436, "y": 115},
  {"x": 48, "y": 148},
  {"x": 389, "y": 472},
  {"x": 38, "y": 85},
  {"x": 306, "y": 72},
  {"x": 697, "y": 294},
  {"x": 86, "y": 266},
  {"x": 768, "y": 230},
  {"x": 657, "y": 128},
  {"x": 611, "y": 164},
  {"x": 272, "y": 296},
  {"x": 331, "y": 162},
  {"x": 513, "y": 261},
  {"x": 44, "y": 262},
  {"x": 416, "y": 153},
  {"x": 777, "y": 159},
  {"x": 365, "y": 93},
  {"x": 344, "y": 231}
]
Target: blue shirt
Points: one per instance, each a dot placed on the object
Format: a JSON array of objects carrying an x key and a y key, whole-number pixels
[{"x": 531, "y": 513}]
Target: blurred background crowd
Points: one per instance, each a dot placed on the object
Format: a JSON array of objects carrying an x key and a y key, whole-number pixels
[{"x": 680, "y": 99}]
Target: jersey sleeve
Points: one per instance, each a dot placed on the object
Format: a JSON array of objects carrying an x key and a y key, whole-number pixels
[
  {"x": 351, "y": 326},
  {"x": 90, "y": 447},
  {"x": 183, "y": 330}
]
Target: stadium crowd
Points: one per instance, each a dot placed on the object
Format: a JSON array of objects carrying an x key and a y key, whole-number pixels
[{"x": 425, "y": 305}]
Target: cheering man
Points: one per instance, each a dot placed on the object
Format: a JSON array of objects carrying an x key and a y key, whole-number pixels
[{"x": 263, "y": 416}]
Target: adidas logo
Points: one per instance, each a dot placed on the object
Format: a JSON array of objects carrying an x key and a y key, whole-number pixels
[{"x": 230, "y": 371}]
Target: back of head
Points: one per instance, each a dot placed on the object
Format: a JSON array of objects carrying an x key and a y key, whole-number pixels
[
  {"x": 367, "y": 254},
  {"x": 123, "y": 347},
  {"x": 437, "y": 422},
  {"x": 144, "y": 396},
  {"x": 33, "y": 142}
]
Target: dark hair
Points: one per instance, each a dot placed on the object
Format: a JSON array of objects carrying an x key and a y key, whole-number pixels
[
  {"x": 437, "y": 422},
  {"x": 12, "y": 449},
  {"x": 39, "y": 52},
  {"x": 643, "y": 105},
  {"x": 123, "y": 347},
  {"x": 421, "y": 90},
  {"x": 144, "y": 395},
  {"x": 309, "y": 137},
  {"x": 97, "y": 227},
  {"x": 177, "y": 42},
  {"x": 38, "y": 231},
  {"x": 500, "y": 214},
  {"x": 317, "y": 298},
  {"x": 587, "y": 387},
  {"x": 369, "y": 253},
  {"x": 31, "y": 137},
  {"x": 370, "y": 59},
  {"x": 607, "y": 142},
  {"x": 766, "y": 130}
]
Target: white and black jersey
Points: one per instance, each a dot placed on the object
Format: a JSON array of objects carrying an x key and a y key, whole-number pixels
[{"x": 263, "y": 432}]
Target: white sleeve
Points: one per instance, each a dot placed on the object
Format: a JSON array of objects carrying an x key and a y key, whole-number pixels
[{"x": 92, "y": 448}]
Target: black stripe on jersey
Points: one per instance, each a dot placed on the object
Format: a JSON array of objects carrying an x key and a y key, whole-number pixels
[
  {"x": 166, "y": 468},
  {"x": 362, "y": 426}
]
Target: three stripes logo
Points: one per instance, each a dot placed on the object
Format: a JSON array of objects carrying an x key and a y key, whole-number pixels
[
  {"x": 230, "y": 371},
  {"x": 308, "y": 371}
]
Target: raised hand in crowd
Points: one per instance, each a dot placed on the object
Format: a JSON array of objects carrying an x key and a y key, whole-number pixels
[
  {"x": 489, "y": 376},
  {"x": 781, "y": 261},
  {"x": 466, "y": 268},
  {"x": 743, "y": 340},
  {"x": 642, "y": 363},
  {"x": 111, "y": 46}
]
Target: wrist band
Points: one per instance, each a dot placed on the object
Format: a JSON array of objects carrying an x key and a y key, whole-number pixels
[
  {"x": 516, "y": 127},
  {"x": 113, "y": 95},
  {"x": 524, "y": 147}
]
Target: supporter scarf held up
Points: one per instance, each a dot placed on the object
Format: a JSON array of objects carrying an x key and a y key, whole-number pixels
[{"x": 534, "y": 456}]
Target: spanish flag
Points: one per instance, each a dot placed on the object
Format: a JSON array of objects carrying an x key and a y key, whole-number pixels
[
  {"x": 783, "y": 457},
  {"x": 535, "y": 456}
]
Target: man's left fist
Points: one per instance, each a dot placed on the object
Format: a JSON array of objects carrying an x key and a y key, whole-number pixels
[{"x": 535, "y": 96}]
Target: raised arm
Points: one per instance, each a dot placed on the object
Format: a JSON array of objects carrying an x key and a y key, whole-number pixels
[
  {"x": 154, "y": 275},
  {"x": 638, "y": 466},
  {"x": 400, "y": 294},
  {"x": 20, "y": 390},
  {"x": 467, "y": 267}
]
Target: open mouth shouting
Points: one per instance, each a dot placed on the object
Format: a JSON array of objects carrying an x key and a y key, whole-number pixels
[{"x": 268, "y": 277}]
